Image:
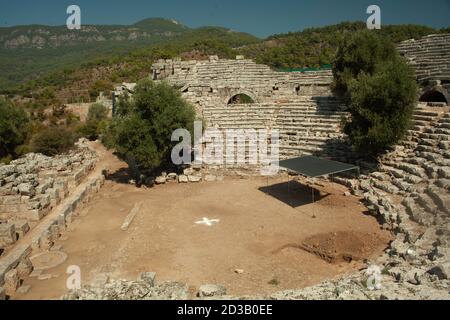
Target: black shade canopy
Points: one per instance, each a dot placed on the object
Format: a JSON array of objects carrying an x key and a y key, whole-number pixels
[{"x": 314, "y": 167}]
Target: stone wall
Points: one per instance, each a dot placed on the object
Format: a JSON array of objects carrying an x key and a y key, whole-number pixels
[
  {"x": 216, "y": 81},
  {"x": 298, "y": 104},
  {"x": 40, "y": 197},
  {"x": 430, "y": 57},
  {"x": 31, "y": 186}
]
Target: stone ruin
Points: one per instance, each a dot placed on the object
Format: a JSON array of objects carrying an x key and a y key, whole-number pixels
[
  {"x": 407, "y": 190},
  {"x": 298, "y": 104},
  {"x": 430, "y": 56},
  {"x": 31, "y": 186},
  {"x": 31, "y": 217}
]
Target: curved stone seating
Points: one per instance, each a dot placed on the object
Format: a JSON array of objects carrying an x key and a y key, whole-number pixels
[{"x": 429, "y": 56}]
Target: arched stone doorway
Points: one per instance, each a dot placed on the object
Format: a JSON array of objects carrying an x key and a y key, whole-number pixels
[
  {"x": 241, "y": 97},
  {"x": 434, "y": 95}
]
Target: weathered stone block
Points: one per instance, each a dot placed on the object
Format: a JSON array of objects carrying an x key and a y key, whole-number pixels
[
  {"x": 24, "y": 268},
  {"x": 22, "y": 227},
  {"x": 12, "y": 282},
  {"x": 211, "y": 290},
  {"x": 148, "y": 277},
  {"x": 194, "y": 178},
  {"x": 45, "y": 241},
  {"x": 160, "y": 180},
  {"x": 54, "y": 232},
  {"x": 26, "y": 189},
  {"x": 7, "y": 234}
]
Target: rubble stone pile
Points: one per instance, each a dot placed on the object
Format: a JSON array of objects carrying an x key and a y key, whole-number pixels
[{"x": 31, "y": 186}]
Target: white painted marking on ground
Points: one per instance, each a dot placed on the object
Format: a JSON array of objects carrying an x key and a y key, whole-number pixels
[{"x": 207, "y": 222}]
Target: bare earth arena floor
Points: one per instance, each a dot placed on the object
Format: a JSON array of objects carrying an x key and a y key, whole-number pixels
[{"x": 274, "y": 241}]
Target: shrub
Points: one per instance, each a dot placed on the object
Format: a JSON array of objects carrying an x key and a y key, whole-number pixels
[
  {"x": 100, "y": 86},
  {"x": 53, "y": 140},
  {"x": 13, "y": 129},
  {"x": 360, "y": 52},
  {"x": 379, "y": 88},
  {"x": 142, "y": 130},
  {"x": 95, "y": 120}
]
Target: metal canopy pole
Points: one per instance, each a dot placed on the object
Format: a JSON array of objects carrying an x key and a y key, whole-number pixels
[{"x": 289, "y": 190}]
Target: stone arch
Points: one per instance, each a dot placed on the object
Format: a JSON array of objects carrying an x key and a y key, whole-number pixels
[
  {"x": 238, "y": 93},
  {"x": 436, "y": 94}
]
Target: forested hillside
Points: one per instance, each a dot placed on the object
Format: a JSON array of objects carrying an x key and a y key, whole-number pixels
[
  {"x": 28, "y": 52},
  {"x": 73, "y": 72}
]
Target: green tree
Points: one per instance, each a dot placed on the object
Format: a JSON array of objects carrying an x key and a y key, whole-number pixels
[
  {"x": 95, "y": 121},
  {"x": 379, "y": 89},
  {"x": 142, "y": 130},
  {"x": 13, "y": 129},
  {"x": 100, "y": 86},
  {"x": 53, "y": 140}
]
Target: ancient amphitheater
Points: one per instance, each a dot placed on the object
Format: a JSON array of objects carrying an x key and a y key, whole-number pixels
[{"x": 407, "y": 190}]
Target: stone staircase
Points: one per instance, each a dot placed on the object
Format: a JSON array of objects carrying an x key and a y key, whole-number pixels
[
  {"x": 410, "y": 187},
  {"x": 409, "y": 190},
  {"x": 306, "y": 125},
  {"x": 430, "y": 56}
]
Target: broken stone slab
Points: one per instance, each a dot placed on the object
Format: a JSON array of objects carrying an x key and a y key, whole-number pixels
[
  {"x": 22, "y": 227},
  {"x": 26, "y": 189},
  {"x": 12, "y": 282},
  {"x": 161, "y": 180},
  {"x": 183, "y": 179},
  {"x": 148, "y": 277},
  {"x": 211, "y": 290},
  {"x": 172, "y": 176},
  {"x": 129, "y": 219},
  {"x": 7, "y": 234},
  {"x": 443, "y": 200},
  {"x": 24, "y": 268},
  {"x": 194, "y": 178},
  {"x": 399, "y": 247},
  {"x": 414, "y": 276},
  {"x": 188, "y": 171},
  {"x": 444, "y": 172}
]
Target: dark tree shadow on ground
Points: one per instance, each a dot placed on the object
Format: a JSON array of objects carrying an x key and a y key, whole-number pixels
[
  {"x": 122, "y": 176},
  {"x": 294, "y": 194}
]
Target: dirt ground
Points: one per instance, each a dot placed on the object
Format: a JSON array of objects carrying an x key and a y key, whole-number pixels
[{"x": 276, "y": 241}]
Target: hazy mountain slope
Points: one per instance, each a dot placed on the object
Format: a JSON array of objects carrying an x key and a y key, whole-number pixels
[{"x": 27, "y": 52}]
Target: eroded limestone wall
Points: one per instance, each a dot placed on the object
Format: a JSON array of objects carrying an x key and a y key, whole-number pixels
[
  {"x": 298, "y": 104},
  {"x": 31, "y": 186}
]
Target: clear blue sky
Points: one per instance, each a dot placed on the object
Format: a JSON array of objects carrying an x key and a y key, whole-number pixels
[{"x": 259, "y": 17}]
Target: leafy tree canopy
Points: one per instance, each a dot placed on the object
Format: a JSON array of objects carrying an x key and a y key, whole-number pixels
[{"x": 379, "y": 89}]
